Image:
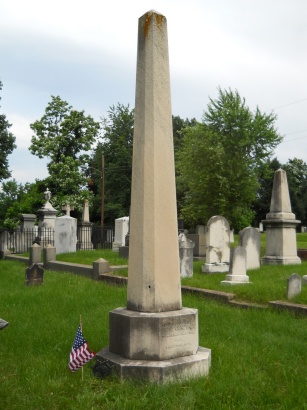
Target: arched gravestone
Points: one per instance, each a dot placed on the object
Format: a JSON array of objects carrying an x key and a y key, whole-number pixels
[
  {"x": 249, "y": 238},
  {"x": 217, "y": 245}
]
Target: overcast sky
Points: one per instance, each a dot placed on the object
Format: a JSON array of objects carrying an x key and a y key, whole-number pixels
[{"x": 85, "y": 52}]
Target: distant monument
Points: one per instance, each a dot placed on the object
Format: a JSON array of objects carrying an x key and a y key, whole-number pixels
[
  {"x": 280, "y": 226},
  {"x": 154, "y": 338}
]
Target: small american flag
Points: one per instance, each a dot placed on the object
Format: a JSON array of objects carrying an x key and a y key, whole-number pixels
[{"x": 80, "y": 353}]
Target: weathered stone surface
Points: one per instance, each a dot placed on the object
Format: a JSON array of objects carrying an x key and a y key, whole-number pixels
[
  {"x": 237, "y": 270},
  {"x": 294, "y": 286},
  {"x": 121, "y": 230},
  {"x": 280, "y": 226},
  {"x": 35, "y": 254},
  {"x": 249, "y": 238},
  {"x": 186, "y": 247},
  {"x": 34, "y": 275},
  {"x": 153, "y": 336},
  {"x": 159, "y": 371},
  {"x": 65, "y": 236},
  {"x": 217, "y": 245},
  {"x": 154, "y": 339},
  {"x": 154, "y": 273}
]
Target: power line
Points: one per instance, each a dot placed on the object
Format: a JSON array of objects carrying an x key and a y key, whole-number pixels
[{"x": 286, "y": 105}]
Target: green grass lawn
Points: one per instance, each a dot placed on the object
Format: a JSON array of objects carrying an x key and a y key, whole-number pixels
[
  {"x": 259, "y": 357},
  {"x": 268, "y": 283}
]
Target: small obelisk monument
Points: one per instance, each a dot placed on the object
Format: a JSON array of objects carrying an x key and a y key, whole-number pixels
[
  {"x": 280, "y": 226},
  {"x": 154, "y": 338}
]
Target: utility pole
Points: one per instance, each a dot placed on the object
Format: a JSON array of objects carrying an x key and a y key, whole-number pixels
[{"x": 102, "y": 190}]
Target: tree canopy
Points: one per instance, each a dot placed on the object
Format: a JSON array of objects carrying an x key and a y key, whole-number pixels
[
  {"x": 220, "y": 160},
  {"x": 65, "y": 136},
  {"x": 7, "y": 145},
  {"x": 116, "y": 146}
]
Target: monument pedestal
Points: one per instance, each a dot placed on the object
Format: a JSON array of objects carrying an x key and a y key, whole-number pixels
[
  {"x": 281, "y": 246},
  {"x": 158, "y": 347},
  {"x": 159, "y": 371}
]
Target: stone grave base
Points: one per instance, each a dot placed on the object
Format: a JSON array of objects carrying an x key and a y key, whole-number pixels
[
  {"x": 215, "y": 268},
  {"x": 159, "y": 371},
  {"x": 236, "y": 280},
  {"x": 153, "y": 336},
  {"x": 281, "y": 260},
  {"x": 123, "y": 251}
]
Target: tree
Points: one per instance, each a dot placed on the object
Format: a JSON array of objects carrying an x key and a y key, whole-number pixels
[
  {"x": 262, "y": 202},
  {"x": 116, "y": 146},
  {"x": 64, "y": 136},
  {"x": 7, "y": 145},
  {"x": 221, "y": 158},
  {"x": 16, "y": 199},
  {"x": 297, "y": 181}
]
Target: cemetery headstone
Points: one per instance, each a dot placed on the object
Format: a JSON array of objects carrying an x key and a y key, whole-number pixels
[
  {"x": 154, "y": 338},
  {"x": 249, "y": 238},
  {"x": 34, "y": 275},
  {"x": 294, "y": 286},
  {"x": 217, "y": 245},
  {"x": 186, "y": 247},
  {"x": 280, "y": 226},
  {"x": 121, "y": 230},
  {"x": 237, "y": 269},
  {"x": 65, "y": 236}
]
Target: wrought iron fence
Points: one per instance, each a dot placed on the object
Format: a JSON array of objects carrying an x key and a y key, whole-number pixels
[
  {"x": 88, "y": 237},
  {"x": 95, "y": 237},
  {"x": 19, "y": 241}
]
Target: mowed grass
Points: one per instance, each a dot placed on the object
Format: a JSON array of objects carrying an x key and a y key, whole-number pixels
[
  {"x": 268, "y": 283},
  {"x": 259, "y": 357}
]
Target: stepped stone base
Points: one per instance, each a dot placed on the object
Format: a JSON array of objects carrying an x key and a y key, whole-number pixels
[
  {"x": 215, "y": 267},
  {"x": 159, "y": 371},
  {"x": 236, "y": 280},
  {"x": 281, "y": 260}
]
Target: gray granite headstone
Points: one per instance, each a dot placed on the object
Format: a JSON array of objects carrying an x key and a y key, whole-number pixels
[
  {"x": 185, "y": 256},
  {"x": 250, "y": 239},
  {"x": 294, "y": 285}
]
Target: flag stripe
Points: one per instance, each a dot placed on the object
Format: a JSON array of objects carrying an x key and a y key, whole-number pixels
[{"x": 80, "y": 353}]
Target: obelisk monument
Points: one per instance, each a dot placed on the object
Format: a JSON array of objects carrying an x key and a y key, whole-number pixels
[
  {"x": 280, "y": 226},
  {"x": 154, "y": 338}
]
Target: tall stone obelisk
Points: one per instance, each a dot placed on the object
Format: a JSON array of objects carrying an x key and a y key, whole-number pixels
[
  {"x": 280, "y": 226},
  {"x": 154, "y": 338}
]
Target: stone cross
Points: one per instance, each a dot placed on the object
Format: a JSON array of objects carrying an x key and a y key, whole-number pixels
[{"x": 67, "y": 209}]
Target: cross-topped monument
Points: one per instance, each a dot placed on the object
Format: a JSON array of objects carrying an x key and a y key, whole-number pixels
[{"x": 154, "y": 338}]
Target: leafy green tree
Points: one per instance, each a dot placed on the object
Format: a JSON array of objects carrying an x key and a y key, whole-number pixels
[
  {"x": 116, "y": 147},
  {"x": 65, "y": 136},
  {"x": 262, "y": 202},
  {"x": 297, "y": 181},
  {"x": 7, "y": 145},
  {"x": 16, "y": 199},
  {"x": 221, "y": 158}
]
